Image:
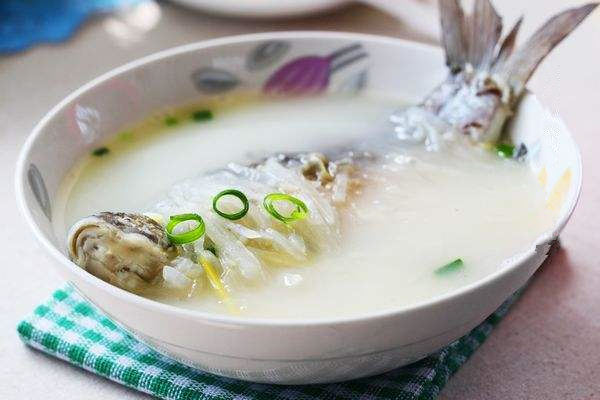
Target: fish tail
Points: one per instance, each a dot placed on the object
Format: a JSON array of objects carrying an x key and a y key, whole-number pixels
[
  {"x": 518, "y": 66},
  {"x": 469, "y": 38},
  {"x": 452, "y": 19},
  {"x": 474, "y": 38},
  {"x": 508, "y": 44}
]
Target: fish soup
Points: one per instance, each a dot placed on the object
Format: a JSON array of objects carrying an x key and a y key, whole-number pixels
[{"x": 361, "y": 221}]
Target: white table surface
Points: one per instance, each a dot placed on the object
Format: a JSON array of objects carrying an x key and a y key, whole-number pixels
[{"x": 548, "y": 347}]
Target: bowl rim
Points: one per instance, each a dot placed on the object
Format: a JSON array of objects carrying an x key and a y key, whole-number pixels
[{"x": 152, "y": 305}]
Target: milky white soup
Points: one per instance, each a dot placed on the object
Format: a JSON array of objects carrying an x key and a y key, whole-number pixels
[{"x": 414, "y": 211}]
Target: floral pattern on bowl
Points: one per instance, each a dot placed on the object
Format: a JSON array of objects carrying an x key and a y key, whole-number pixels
[
  {"x": 301, "y": 75},
  {"x": 311, "y": 74},
  {"x": 38, "y": 188}
]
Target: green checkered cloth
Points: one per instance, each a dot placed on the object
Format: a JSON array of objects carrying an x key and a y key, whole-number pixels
[{"x": 68, "y": 327}]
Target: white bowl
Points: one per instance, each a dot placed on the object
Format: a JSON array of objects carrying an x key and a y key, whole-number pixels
[{"x": 293, "y": 350}]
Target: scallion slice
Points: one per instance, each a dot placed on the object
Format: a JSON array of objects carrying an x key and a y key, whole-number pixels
[
  {"x": 126, "y": 136},
  {"x": 100, "y": 151},
  {"x": 202, "y": 115},
  {"x": 171, "y": 120},
  {"x": 185, "y": 237},
  {"x": 300, "y": 211},
  {"x": 235, "y": 193},
  {"x": 450, "y": 267},
  {"x": 505, "y": 150}
]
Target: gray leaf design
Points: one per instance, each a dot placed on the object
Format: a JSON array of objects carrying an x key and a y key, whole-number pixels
[
  {"x": 38, "y": 187},
  {"x": 212, "y": 80},
  {"x": 354, "y": 83},
  {"x": 521, "y": 153},
  {"x": 266, "y": 54}
]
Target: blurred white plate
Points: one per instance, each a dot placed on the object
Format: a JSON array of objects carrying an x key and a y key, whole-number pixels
[
  {"x": 263, "y": 8},
  {"x": 418, "y": 14}
]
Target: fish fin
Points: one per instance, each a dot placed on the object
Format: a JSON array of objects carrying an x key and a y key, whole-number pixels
[
  {"x": 508, "y": 45},
  {"x": 452, "y": 20},
  {"x": 484, "y": 29},
  {"x": 519, "y": 67},
  {"x": 469, "y": 38}
]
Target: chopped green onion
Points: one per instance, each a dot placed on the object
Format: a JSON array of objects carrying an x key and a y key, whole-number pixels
[
  {"x": 171, "y": 121},
  {"x": 505, "y": 150},
  {"x": 202, "y": 115},
  {"x": 100, "y": 151},
  {"x": 185, "y": 237},
  {"x": 450, "y": 267},
  {"x": 300, "y": 212},
  {"x": 126, "y": 136},
  {"x": 235, "y": 193}
]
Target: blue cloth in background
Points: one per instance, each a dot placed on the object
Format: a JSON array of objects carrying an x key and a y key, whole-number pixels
[{"x": 24, "y": 23}]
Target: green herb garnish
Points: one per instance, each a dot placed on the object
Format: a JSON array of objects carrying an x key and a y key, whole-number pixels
[
  {"x": 185, "y": 237},
  {"x": 126, "y": 136},
  {"x": 450, "y": 267},
  {"x": 100, "y": 151},
  {"x": 202, "y": 115},
  {"x": 505, "y": 150},
  {"x": 171, "y": 121},
  {"x": 300, "y": 211},
  {"x": 235, "y": 193}
]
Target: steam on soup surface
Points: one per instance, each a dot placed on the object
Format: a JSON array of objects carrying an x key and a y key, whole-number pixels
[{"x": 388, "y": 224}]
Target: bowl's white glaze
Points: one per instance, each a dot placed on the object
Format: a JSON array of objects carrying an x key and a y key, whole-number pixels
[{"x": 290, "y": 350}]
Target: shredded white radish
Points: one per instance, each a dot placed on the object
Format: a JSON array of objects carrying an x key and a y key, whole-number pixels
[
  {"x": 174, "y": 278},
  {"x": 245, "y": 246}
]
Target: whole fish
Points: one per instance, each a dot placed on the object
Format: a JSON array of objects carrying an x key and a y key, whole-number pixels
[{"x": 487, "y": 77}]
